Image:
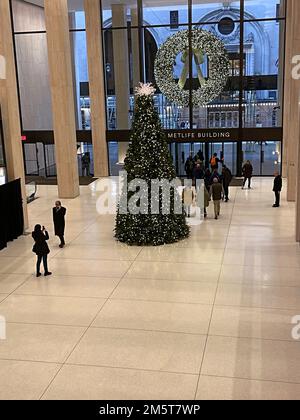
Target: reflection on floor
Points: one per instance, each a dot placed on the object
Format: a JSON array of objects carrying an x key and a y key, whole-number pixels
[{"x": 207, "y": 318}]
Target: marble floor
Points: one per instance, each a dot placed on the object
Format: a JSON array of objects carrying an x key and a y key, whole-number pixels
[{"x": 207, "y": 318}]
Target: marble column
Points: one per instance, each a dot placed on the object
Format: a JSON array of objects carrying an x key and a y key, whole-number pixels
[
  {"x": 61, "y": 84},
  {"x": 10, "y": 105},
  {"x": 97, "y": 86},
  {"x": 291, "y": 98},
  {"x": 121, "y": 71}
]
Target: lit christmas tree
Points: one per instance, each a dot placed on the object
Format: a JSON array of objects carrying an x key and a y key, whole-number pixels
[{"x": 149, "y": 217}]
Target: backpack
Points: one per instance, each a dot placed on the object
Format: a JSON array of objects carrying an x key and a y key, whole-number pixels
[{"x": 213, "y": 161}]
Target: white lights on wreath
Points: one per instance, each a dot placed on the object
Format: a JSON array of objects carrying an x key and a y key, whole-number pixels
[{"x": 203, "y": 42}]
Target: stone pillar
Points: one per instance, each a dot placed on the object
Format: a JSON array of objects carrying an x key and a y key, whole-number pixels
[
  {"x": 291, "y": 98},
  {"x": 61, "y": 84},
  {"x": 121, "y": 69},
  {"x": 298, "y": 180},
  {"x": 10, "y": 105},
  {"x": 97, "y": 86}
]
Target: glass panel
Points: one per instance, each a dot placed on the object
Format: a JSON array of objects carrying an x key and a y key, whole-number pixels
[
  {"x": 230, "y": 156},
  {"x": 113, "y": 150},
  {"x": 85, "y": 157},
  {"x": 222, "y": 112},
  {"x": 28, "y": 17},
  {"x": 119, "y": 78},
  {"x": 271, "y": 157},
  {"x": 167, "y": 12},
  {"x": 252, "y": 152},
  {"x": 50, "y": 160},
  {"x": 216, "y": 11},
  {"x": 33, "y": 72},
  {"x": 173, "y": 116},
  {"x": 30, "y": 158},
  {"x": 76, "y": 14},
  {"x": 118, "y": 14},
  {"x": 264, "y": 69},
  {"x": 81, "y": 80},
  {"x": 257, "y": 9}
]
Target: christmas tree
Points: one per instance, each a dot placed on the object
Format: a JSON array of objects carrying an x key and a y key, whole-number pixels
[{"x": 156, "y": 217}]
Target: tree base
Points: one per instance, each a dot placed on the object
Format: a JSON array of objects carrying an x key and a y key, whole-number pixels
[{"x": 151, "y": 230}]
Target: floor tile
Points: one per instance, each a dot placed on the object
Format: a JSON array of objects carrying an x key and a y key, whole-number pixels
[
  {"x": 96, "y": 383},
  {"x": 215, "y": 388},
  {"x": 261, "y": 275},
  {"x": 67, "y": 267},
  {"x": 252, "y": 323},
  {"x": 50, "y": 310},
  {"x": 72, "y": 286},
  {"x": 159, "y": 351},
  {"x": 99, "y": 253},
  {"x": 10, "y": 282},
  {"x": 258, "y": 296},
  {"x": 45, "y": 343},
  {"x": 174, "y": 271},
  {"x": 157, "y": 316},
  {"x": 257, "y": 258},
  {"x": 185, "y": 255},
  {"x": 25, "y": 380},
  {"x": 252, "y": 359},
  {"x": 166, "y": 291},
  {"x": 3, "y": 296}
]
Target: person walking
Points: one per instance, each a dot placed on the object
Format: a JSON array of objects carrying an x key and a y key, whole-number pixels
[
  {"x": 59, "y": 214},
  {"x": 247, "y": 174},
  {"x": 41, "y": 249},
  {"x": 85, "y": 162},
  {"x": 198, "y": 173},
  {"x": 207, "y": 179},
  {"x": 277, "y": 188},
  {"x": 216, "y": 194},
  {"x": 189, "y": 166},
  {"x": 188, "y": 199},
  {"x": 227, "y": 178},
  {"x": 214, "y": 162}
]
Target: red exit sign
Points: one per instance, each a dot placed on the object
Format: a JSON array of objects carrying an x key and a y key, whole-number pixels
[{"x": 23, "y": 138}]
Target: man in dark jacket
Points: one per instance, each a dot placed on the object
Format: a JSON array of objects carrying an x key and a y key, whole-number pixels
[
  {"x": 227, "y": 178},
  {"x": 198, "y": 173},
  {"x": 277, "y": 188},
  {"x": 59, "y": 213},
  {"x": 216, "y": 193},
  {"x": 189, "y": 166},
  {"x": 247, "y": 173}
]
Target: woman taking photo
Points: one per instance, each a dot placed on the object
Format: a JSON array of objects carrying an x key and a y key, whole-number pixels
[{"x": 41, "y": 249}]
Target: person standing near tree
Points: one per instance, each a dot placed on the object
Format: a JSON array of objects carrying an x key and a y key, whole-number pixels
[
  {"x": 59, "y": 214},
  {"x": 189, "y": 166},
  {"x": 216, "y": 194},
  {"x": 277, "y": 188},
  {"x": 247, "y": 174},
  {"x": 227, "y": 178},
  {"x": 41, "y": 249}
]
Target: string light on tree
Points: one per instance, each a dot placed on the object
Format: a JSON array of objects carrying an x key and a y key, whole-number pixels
[{"x": 148, "y": 159}]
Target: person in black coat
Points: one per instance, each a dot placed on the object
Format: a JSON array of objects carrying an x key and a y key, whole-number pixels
[
  {"x": 41, "y": 249},
  {"x": 277, "y": 188},
  {"x": 227, "y": 178},
  {"x": 189, "y": 166},
  {"x": 59, "y": 214}
]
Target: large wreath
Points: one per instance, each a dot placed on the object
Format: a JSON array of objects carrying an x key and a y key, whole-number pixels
[{"x": 203, "y": 42}]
